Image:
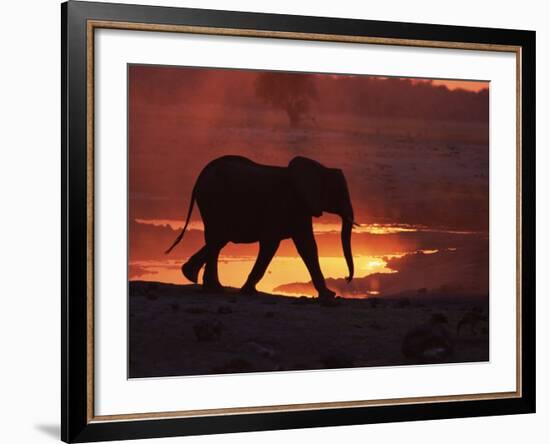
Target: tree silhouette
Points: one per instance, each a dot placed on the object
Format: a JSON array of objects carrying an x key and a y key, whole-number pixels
[{"x": 290, "y": 92}]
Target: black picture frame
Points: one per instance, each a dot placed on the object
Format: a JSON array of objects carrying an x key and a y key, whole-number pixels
[{"x": 76, "y": 423}]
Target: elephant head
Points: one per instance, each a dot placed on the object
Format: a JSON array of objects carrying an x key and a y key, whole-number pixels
[{"x": 325, "y": 189}]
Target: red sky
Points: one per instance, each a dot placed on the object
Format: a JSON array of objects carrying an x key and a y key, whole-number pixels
[{"x": 414, "y": 152}]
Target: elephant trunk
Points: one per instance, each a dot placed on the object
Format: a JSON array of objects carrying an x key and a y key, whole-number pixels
[{"x": 347, "y": 225}]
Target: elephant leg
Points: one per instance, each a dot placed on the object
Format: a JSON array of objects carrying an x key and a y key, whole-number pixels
[
  {"x": 267, "y": 251},
  {"x": 307, "y": 248},
  {"x": 211, "y": 281},
  {"x": 192, "y": 267}
]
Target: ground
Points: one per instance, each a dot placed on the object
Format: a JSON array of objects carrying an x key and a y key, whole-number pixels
[{"x": 178, "y": 330}]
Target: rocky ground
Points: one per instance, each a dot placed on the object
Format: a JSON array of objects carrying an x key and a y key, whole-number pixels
[{"x": 177, "y": 330}]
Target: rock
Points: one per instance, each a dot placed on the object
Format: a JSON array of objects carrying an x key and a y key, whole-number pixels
[
  {"x": 150, "y": 295},
  {"x": 376, "y": 326},
  {"x": 271, "y": 301},
  {"x": 430, "y": 342},
  {"x": 473, "y": 319},
  {"x": 263, "y": 350},
  {"x": 329, "y": 302},
  {"x": 298, "y": 366},
  {"x": 196, "y": 310},
  {"x": 403, "y": 303},
  {"x": 337, "y": 359},
  {"x": 269, "y": 314},
  {"x": 374, "y": 302},
  {"x": 225, "y": 309},
  {"x": 207, "y": 331},
  {"x": 303, "y": 300},
  {"x": 234, "y": 365}
]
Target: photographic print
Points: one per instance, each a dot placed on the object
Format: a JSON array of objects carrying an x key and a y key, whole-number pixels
[
  {"x": 338, "y": 213},
  {"x": 283, "y": 221}
]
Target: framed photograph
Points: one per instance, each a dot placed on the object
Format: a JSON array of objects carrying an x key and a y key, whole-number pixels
[{"x": 276, "y": 221}]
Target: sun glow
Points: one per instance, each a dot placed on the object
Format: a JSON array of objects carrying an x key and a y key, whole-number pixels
[
  {"x": 233, "y": 271},
  {"x": 375, "y": 263}
]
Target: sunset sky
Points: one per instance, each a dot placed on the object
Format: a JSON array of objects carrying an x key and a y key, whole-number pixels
[
  {"x": 415, "y": 153},
  {"x": 467, "y": 85}
]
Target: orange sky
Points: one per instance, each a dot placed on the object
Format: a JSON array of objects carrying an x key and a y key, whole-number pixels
[
  {"x": 468, "y": 85},
  {"x": 415, "y": 156}
]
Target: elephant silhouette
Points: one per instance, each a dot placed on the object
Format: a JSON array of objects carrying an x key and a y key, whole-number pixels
[{"x": 241, "y": 201}]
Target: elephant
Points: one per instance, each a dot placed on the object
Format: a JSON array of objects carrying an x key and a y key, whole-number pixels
[{"x": 241, "y": 201}]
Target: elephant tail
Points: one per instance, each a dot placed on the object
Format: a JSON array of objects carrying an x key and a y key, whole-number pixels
[{"x": 189, "y": 212}]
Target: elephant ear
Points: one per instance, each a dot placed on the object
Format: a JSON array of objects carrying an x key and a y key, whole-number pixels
[{"x": 307, "y": 176}]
